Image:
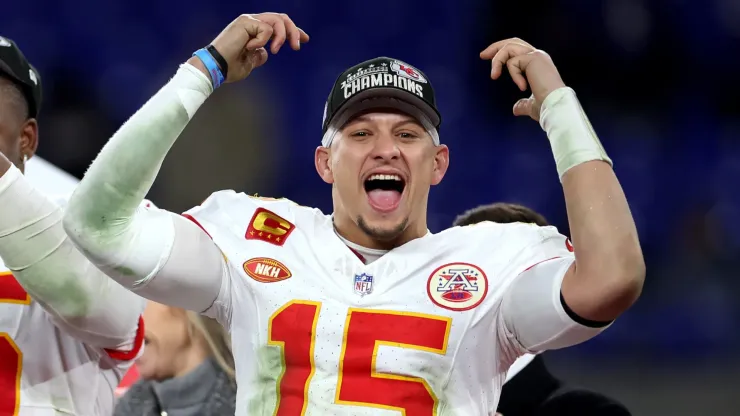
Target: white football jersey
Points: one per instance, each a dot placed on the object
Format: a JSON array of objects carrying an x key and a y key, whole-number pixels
[
  {"x": 316, "y": 331},
  {"x": 45, "y": 372}
]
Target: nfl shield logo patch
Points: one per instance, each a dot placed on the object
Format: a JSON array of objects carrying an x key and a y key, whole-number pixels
[{"x": 363, "y": 284}]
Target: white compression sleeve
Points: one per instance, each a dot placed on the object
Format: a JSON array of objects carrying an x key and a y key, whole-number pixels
[
  {"x": 81, "y": 300},
  {"x": 103, "y": 218},
  {"x": 572, "y": 138}
]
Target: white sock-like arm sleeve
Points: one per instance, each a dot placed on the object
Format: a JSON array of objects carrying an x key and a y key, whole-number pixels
[
  {"x": 81, "y": 300},
  {"x": 132, "y": 244}
]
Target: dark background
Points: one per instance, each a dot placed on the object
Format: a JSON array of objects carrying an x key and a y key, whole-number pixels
[{"x": 659, "y": 80}]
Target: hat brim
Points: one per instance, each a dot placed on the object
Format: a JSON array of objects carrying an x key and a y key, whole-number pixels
[{"x": 384, "y": 92}]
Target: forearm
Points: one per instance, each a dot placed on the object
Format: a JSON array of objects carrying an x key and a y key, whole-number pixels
[
  {"x": 35, "y": 248},
  {"x": 609, "y": 259},
  {"x": 82, "y": 300},
  {"x": 609, "y": 269},
  {"x": 155, "y": 253},
  {"x": 101, "y": 214}
]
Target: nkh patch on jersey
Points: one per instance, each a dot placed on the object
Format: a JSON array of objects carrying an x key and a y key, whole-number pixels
[
  {"x": 266, "y": 270},
  {"x": 363, "y": 284}
]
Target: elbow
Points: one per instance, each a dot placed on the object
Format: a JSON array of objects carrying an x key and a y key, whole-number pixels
[
  {"x": 630, "y": 275},
  {"x": 610, "y": 289},
  {"x": 78, "y": 230},
  {"x": 73, "y": 227},
  {"x": 622, "y": 284},
  {"x": 625, "y": 287}
]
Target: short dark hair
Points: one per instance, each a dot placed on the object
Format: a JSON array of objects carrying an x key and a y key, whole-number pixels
[
  {"x": 502, "y": 213},
  {"x": 11, "y": 94}
]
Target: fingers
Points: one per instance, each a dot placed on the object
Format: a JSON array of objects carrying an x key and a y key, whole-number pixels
[
  {"x": 491, "y": 51},
  {"x": 304, "y": 36},
  {"x": 284, "y": 29},
  {"x": 527, "y": 107},
  {"x": 524, "y": 106},
  {"x": 504, "y": 54},
  {"x": 257, "y": 58},
  {"x": 278, "y": 32},
  {"x": 517, "y": 72},
  {"x": 294, "y": 34},
  {"x": 259, "y": 32}
]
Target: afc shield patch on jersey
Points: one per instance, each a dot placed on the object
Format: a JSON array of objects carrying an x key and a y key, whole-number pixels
[
  {"x": 266, "y": 270},
  {"x": 363, "y": 284},
  {"x": 269, "y": 227},
  {"x": 457, "y": 286}
]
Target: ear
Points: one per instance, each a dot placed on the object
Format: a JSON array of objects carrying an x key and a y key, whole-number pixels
[
  {"x": 441, "y": 163},
  {"x": 29, "y": 138},
  {"x": 323, "y": 166}
]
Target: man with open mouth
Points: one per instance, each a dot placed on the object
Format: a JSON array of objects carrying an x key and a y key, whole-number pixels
[{"x": 365, "y": 312}]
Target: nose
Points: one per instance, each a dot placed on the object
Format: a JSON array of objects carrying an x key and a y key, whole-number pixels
[{"x": 385, "y": 147}]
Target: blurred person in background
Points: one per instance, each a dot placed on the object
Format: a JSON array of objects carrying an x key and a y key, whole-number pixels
[
  {"x": 187, "y": 368},
  {"x": 67, "y": 334},
  {"x": 530, "y": 388},
  {"x": 381, "y": 153}
]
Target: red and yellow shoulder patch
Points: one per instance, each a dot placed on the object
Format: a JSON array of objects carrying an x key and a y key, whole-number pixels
[{"x": 269, "y": 227}]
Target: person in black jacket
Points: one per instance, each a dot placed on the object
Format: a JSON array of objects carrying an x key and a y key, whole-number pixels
[{"x": 534, "y": 391}]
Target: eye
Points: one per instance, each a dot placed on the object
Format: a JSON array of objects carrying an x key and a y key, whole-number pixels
[
  {"x": 360, "y": 134},
  {"x": 408, "y": 135}
]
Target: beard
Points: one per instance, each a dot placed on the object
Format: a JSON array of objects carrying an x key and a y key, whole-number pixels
[{"x": 382, "y": 234}]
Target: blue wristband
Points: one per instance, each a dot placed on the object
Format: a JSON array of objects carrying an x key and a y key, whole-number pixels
[{"x": 217, "y": 77}]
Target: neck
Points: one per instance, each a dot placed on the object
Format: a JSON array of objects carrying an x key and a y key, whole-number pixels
[
  {"x": 190, "y": 359},
  {"x": 349, "y": 230},
  {"x": 5, "y": 165}
]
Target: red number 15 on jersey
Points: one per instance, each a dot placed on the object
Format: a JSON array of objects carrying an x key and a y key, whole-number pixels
[
  {"x": 11, "y": 358},
  {"x": 293, "y": 328}
]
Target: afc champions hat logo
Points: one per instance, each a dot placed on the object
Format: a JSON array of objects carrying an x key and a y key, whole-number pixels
[{"x": 457, "y": 286}]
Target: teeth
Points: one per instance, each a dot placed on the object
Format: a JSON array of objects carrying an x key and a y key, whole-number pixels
[{"x": 380, "y": 177}]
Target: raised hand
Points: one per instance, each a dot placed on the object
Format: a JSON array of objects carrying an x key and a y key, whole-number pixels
[
  {"x": 243, "y": 42},
  {"x": 528, "y": 67}
]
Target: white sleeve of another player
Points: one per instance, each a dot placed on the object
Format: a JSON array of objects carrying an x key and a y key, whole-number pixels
[
  {"x": 80, "y": 299},
  {"x": 195, "y": 275},
  {"x": 533, "y": 317},
  {"x": 166, "y": 258}
]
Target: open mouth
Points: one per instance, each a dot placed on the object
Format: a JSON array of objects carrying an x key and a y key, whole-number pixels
[{"x": 384, "y": 191}]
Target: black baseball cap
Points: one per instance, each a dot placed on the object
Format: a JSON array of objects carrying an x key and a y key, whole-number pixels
[
  {"x": 15, "y": 67},
  {"x": 381, "y": 77}
]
